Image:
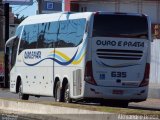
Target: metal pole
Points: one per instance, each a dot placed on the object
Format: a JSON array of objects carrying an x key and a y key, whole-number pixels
[
  {"x": 6, "y": 11},
  {"x": 40, "y": 2}
]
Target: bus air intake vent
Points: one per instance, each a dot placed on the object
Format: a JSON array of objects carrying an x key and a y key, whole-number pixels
[
  {"x": 119, "y": 54},
  {"x": 77, "y": 82}
]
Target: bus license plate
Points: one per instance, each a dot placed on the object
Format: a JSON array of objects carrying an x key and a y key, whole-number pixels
[{"x": 119, "y": 92}]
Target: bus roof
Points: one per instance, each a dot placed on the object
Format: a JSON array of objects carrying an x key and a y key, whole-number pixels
[
  {"x": 121, "y": 13},
  {"x": 54, "y": 17},
  {"x": 42, "y": 18}
]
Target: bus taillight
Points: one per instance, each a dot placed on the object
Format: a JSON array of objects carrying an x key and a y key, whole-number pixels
[
  {"x": 145, "y": 80},
  {"x": 89, "y": 73}
]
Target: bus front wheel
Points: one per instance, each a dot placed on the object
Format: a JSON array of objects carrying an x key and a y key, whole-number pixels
[{"x": 21, "y": 95}]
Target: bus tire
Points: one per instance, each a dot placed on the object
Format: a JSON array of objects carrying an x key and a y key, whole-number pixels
[
  {"x": 58, "y": 96},
  {"x": 67, "y": 98},
  {"x": 20, "y": 94}
]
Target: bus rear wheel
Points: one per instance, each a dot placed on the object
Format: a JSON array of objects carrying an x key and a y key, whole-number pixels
[
  {"x": 21, "y": 95},
  {"x": 58, "y": 97},
  {"x": 67, "y": 98}
]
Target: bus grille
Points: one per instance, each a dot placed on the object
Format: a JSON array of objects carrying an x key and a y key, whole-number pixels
[{"x": 119, "y": 54}]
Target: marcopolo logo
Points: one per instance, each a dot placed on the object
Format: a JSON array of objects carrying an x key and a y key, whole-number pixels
[
  {"x": 119, "y": 43},
  {"x": 106, "y": 43},
  {"x": 32, "y": 54}
]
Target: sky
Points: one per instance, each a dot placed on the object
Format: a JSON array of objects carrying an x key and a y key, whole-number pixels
[{"x": 25, "y": 10}]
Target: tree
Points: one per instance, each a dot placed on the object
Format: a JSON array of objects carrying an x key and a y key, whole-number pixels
[{"x": 19, "y": 20}]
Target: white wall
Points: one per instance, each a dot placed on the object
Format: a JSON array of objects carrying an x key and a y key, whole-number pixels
[
  {"x": 150, "y": 8},
  {"x": 155, "y": 63},
  {"x": 126, "y": 7}
]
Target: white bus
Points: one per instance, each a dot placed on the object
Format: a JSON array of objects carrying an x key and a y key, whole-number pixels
[{"x": 82, "y": 56}]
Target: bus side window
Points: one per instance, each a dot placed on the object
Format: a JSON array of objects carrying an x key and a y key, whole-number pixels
[
  {"x": 24, "y": 41},
  {"x": 81, "y": 28},
  {"x": 32, "y": 35},
  {"x": 71, "y": 32},
  {"x": 41, "y": 35},
  {"x": 51, "y": 34},
  {"x": 47, "y": 35},
  {"x": 29, "y": 37}
]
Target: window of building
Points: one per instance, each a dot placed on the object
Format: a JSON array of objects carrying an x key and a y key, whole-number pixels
[{"x": 83, "y": 9}]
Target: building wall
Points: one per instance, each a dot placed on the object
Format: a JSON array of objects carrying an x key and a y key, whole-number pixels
[
  {"x": 152, "y": 9},
  {"x": 11, "y": 16},
  {"x": 68, "y": 4},
  {"x": 154, "y": 84},
  {"x": 155, "y": 63},
  {"x": 95, "y": 6},
  {"x": 149, "y": 7},
  {"x": 49, "y": 6}
]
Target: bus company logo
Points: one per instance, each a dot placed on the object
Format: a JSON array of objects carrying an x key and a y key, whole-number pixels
[
  {"x": 32, "y": 54},
  {"x": 57, "y": 56},
  {"x": 119, "y": 43}
]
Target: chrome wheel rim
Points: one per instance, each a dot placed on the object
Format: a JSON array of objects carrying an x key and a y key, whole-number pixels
[
  {"x": 20, "y": 92},
  {"x": 58, "y": 94},
  {"x": 66, "y": 95}
]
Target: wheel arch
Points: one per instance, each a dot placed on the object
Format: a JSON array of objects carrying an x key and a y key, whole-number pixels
[{"x": 65, "y": 82}]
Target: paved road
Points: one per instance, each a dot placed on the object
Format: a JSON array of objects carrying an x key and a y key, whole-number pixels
[
  {"x": 150, "y": 104},
  {"x": 4, "y": 93}
]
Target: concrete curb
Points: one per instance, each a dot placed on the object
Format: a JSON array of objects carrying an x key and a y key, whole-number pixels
[
  {"x": 60, "y": 112},
  {"x": 41, "y": 108}
]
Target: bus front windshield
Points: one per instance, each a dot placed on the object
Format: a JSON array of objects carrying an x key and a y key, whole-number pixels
[{"x": 124, "y": 26}]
